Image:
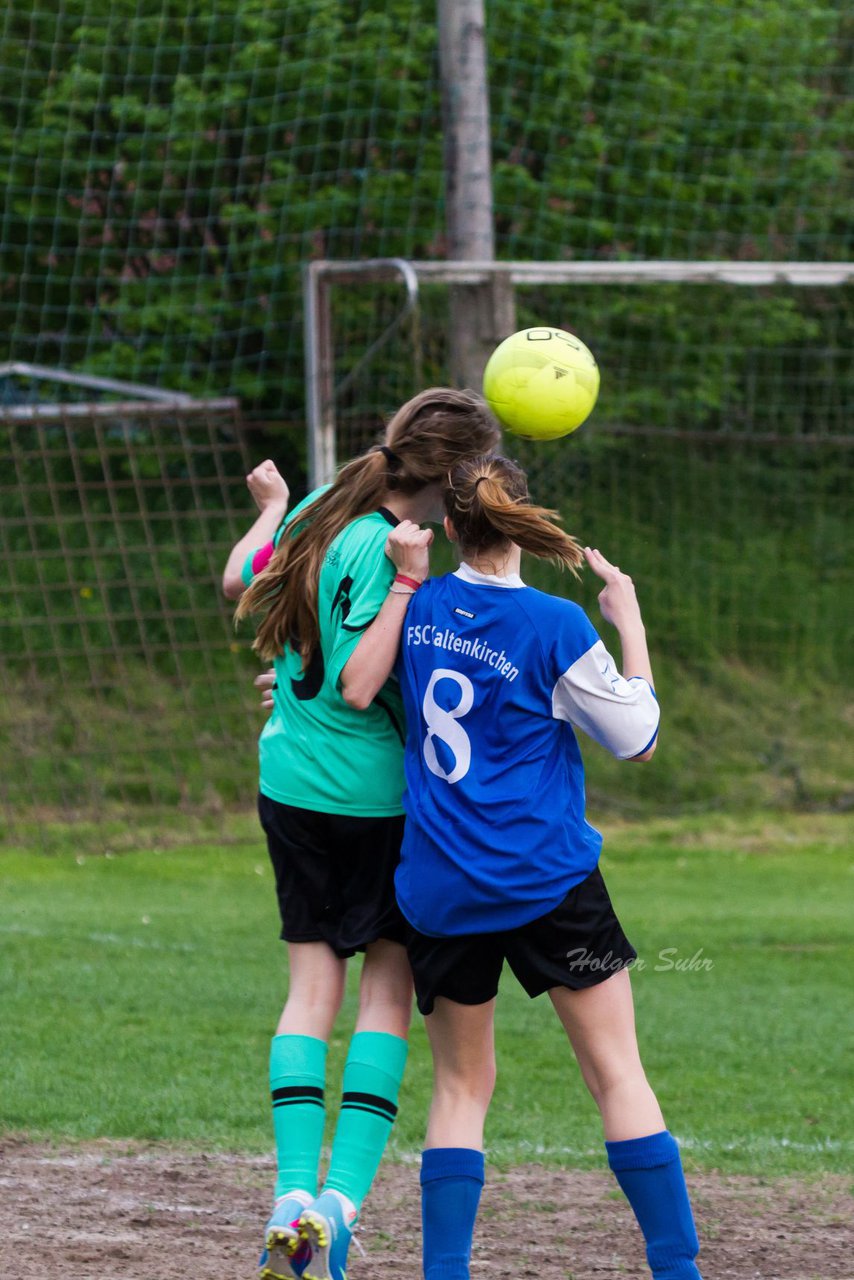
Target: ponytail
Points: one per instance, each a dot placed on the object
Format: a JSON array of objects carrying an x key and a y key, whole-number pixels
[
  {"x": 424, "y": 439},
  {"x": 487, "y": 501}
]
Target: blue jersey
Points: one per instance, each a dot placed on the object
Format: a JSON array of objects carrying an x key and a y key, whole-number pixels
[{"x": 494, "y": 677}]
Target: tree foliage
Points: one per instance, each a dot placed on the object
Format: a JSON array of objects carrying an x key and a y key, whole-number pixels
[{"x": 169, "y": 164}]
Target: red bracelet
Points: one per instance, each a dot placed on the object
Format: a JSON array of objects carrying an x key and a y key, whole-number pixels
[{"x": 407, "y": 582}]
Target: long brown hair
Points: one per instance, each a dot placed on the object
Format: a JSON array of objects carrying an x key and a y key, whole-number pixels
[
  {"x": 425, "y": 438},
  {"x": 487, "y": 501}
]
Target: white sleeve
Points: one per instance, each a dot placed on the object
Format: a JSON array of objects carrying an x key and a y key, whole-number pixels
[{"x": 621, "y": 715}]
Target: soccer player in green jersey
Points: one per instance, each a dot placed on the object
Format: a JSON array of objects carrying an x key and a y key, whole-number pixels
[{"x": 331, "y": 584}]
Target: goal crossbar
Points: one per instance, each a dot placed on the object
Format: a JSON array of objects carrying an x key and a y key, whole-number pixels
[{"x": 319, "y": 277}]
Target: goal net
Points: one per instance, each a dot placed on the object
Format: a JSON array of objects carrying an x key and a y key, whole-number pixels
[
  {"x": 717, "y": 465},
  {"x": 125, "y": 690}
]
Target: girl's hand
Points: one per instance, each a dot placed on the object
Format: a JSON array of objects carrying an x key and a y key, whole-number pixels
[
  {"x": 264, "y": 684},
  {"x": 408, "y": 548},
  {"x": 267, "y": 486},
  {"x": 617, "y": 601}
]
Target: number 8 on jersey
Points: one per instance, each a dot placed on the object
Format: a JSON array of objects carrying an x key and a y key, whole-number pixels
[{"x": 443, "y": 725}]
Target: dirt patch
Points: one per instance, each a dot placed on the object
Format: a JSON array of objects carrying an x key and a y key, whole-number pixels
[{"x": 110, "y": 1211}]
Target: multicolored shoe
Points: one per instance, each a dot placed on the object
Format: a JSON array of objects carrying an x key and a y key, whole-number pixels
[
  {"x": 327, "y": 1227},
  {"x": 286, "y": 1254}
]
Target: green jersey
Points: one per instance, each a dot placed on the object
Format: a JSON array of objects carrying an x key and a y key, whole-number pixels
[{"x": 316, "y": 752}]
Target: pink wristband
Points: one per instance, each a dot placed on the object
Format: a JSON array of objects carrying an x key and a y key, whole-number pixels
[
  {"x": 407, "y": 582},
  {"x": 262, "y": 557}
]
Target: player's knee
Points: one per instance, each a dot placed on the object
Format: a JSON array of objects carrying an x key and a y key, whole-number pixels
[
  {"x": 391, "y": 996},
  {"x": 616, "y": 1076},
  {"x": 386, "y": 971},
  {"x": 314, "y": 997},
  {"x": 471, "y": 1085}
]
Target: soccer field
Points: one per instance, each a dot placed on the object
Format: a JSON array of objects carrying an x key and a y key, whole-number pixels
[
  {"x": 241, "y": 241},
  {"x": 139, "y": 992}
]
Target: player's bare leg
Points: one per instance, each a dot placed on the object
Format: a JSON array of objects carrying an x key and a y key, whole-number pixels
[
  {"x": 644, "y": 1157},
  {"x": 297, "y": 1080},
  {"x": 315, "y": 990},
  {"x": 385, "y": 990},
  {"x": 462, "y": 1040},
  {"x": 463, "y": 1046},
  {"x": 372, "y": 1076},
  {"x": 600, "y": 1023}
]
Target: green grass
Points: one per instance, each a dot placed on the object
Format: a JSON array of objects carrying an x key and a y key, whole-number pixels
[
  {"x": 738, "y": 552},
  {"x": 733, "y": 739},
  {"x": 138, "y": 991}
]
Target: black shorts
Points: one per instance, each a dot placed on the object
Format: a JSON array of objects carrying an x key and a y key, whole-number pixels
[
  {"x": 334, "y": 876},
  {"x": 576, "y": 945}
]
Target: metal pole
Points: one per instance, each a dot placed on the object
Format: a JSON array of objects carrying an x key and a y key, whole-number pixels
[
  {"x": 319, "y": 387},
  {"x": 465, "y": 115},
  {"x": 480, "y": 314}
]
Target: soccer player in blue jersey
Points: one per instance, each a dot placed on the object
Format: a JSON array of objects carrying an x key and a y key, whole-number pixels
[
  {"x": 498, "y": 861},
  {"x": 331, "y": 583}
]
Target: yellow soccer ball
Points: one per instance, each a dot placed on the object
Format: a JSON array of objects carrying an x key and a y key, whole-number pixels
[{"x": 541, "y": 383}]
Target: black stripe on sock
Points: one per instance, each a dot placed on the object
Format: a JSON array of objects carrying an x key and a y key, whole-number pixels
[
  {"x": 370, "y": 1102},
  {"x": 294, "y": 1093},
  {"x": 369, "y": 1111}
]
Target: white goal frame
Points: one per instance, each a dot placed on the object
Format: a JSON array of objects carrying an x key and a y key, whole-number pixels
[{"x": 320, "y": 276}]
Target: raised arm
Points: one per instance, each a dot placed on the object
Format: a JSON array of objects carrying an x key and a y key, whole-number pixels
[
  {"x": 271, "y": 494},
  {"x": 619, "y": 606}
]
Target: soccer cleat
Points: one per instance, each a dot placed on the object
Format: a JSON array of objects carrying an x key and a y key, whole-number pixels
[
  {"x": 325, "y": 1227},
  {"x": 287, "y": 1253},
  {"x": 278, "y": 1264}
]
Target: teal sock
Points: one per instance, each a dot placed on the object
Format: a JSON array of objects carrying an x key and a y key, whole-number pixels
[
  {"x": 372, "y": 1076},
  {"x": 297, "y": 1079}
]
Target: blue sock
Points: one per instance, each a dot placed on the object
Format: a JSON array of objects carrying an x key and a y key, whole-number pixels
[
  {"x": 649, "y": 1171},
  {"x": 451, "y": 1183}
]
